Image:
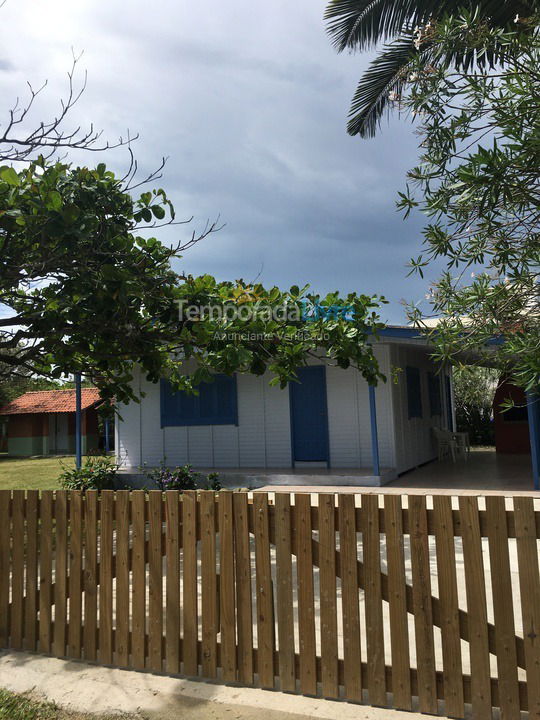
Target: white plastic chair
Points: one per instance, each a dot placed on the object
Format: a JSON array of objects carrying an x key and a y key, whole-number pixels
[
  {"x": 463, "y": 444},
  {"x": 447, "y": 445}
]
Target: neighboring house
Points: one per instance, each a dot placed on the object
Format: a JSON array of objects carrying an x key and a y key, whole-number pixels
[
  {"x": 330, "y": 420},
  {"x": 43, "y": 422}
]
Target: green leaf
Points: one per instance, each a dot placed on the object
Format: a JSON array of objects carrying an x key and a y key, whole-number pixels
[
  {"x": 10, "y": 176},
  {"x": 158, "y": 211},
  {"x": 53, "y": 200},
  {"x": 71, "y": 213}
]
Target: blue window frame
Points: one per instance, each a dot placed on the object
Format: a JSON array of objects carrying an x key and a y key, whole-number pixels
[
  {"x": 434, "y": 389},
  {"x": 216, "y": 404},
  {"x": 414, "y": 392}
]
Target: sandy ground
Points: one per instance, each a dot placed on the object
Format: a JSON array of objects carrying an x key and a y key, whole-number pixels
[{"x": 89, "y": 688}]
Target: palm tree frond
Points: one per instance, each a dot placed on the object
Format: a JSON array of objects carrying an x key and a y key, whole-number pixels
[
  {"x": 357, "y": 24},
  {"x": 386, "y": 74}
]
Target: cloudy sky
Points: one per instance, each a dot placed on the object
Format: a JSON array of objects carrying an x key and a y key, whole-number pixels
[{"x": 248, "y": 101}]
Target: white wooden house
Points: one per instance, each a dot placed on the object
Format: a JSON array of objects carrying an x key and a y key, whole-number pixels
[{"x": 331, "y": 428}]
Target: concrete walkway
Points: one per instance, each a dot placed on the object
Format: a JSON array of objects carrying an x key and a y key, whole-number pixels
[{"x": 90, "y": 688}]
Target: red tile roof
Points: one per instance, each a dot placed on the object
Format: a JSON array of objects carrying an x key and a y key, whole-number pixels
[{"x": 50, "y": 401}]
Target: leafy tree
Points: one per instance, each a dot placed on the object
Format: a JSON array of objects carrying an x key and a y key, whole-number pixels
[
  {"x": 474, "y": 390},
  {"x": 87, "y": 292},
  {"x": 84, "y": 289},
  {"x": 16, "y": 386},
  {"x": 406, "y": 27},
  {"x": 478, "y": 182}
]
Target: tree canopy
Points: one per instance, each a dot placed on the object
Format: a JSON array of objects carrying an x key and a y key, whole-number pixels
[
  {"x": 85, "y": 289},
  {"x": 474, "y": 391},
  {"x": 405, "y": 27},
  {"x": 478, "y": 182}
]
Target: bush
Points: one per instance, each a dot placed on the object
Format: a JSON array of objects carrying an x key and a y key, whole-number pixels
[
  {"x": 474, "y": 389},
  {"x": 97, "y": 473},
  {"x": 183, "y": 478}
]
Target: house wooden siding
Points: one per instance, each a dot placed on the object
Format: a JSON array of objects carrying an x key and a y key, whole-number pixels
[
  {"x": 413, "y": 437},
  {"x": 262, "y": 438}
]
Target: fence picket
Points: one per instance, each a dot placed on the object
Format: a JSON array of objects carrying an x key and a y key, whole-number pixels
[
  {"x": 397, "y": 602},
  {"x": 31, "y": 582},
  {"x": 138, "y": 597},
  {"x": 348, "y": 548},
  {"x": 285, "y": 616},
  {"x": 45, "y": 571},
  {"x": 374, "y": 617},
  {"x": 328, "y": 600},
  {"x": 263, "y": 581},
  {"x": 189, "y": 578},
  {"x": 503, "y": 608},
  {"x": 5, "y": 570},
  {"x": 243, "y": 589},
  {"x": 121, "y": 634},
  {"x": 209, "y": 605},
  {"x": 17, "y": 570},
  {"x": 476, "y": 607},
  {"x": 90, "y": 572},
  {"x": 423, "y": 614},
  {"x": 75, "y": 574},
  {"x": 172, "y": 610},
  {"x": 306, "y": 599},
  {"x": 448, "y": 597},
  {"x": 60, "y": 573},
  {"x": 529, "y": 578},
  {"x": 155, "y": 581},
  {"x": 106, "y": 518},
  {"x": 226, "y": 587}
]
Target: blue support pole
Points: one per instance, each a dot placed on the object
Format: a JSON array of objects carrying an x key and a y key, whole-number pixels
[
  {"x": 107, "y": 440},
  {"x": 374, "y": 434},
  {"x": 533, "y": 412},
  {"x": 78, "y": 423}
]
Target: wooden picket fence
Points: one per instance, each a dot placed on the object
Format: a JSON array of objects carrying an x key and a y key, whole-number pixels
[{"x": 404, "y": 602}]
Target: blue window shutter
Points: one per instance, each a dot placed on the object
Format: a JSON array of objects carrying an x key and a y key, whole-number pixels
[
  {"x": 207, "y": 400},
  {"x": 434, "y": 388},
  {"x": 186, "y": 405},
  {"x": 226, "y": 398},
  {"x": 216, "y": 404},
  {"x": 414, "y": 392}
]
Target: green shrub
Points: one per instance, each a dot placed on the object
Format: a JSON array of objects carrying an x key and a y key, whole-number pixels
[
  {"x": 183, "y": 478},
  {"x": 97, "y": 473}
]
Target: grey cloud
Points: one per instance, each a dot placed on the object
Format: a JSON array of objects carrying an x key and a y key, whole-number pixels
[{"x": 249, "y": 103}]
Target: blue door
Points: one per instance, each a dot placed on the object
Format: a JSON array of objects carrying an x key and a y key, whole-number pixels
[{"x": 309, "y": 416}]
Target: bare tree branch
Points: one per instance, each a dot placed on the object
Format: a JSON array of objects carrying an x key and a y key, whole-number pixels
[{"x": 49, "y": 137}]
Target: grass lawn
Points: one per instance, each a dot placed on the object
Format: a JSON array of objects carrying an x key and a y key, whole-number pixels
[
  {"x": 32, "y": 473},
  {"x": 22, "y": 707}
]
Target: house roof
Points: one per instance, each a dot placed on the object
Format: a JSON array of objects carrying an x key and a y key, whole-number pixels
[{"x": 50, "y": 401}]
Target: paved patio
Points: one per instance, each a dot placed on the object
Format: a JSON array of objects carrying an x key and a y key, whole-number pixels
[{"x": 484, "y": 472}]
